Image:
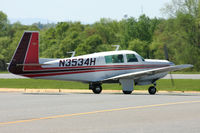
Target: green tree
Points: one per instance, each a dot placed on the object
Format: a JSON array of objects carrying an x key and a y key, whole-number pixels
[
  {"x": 4, "y": 52},
  {"x": 107, "y": 29},
  {"x": 4, "y": 24},
  {"x": 70, "y": 43},
  {"x": 90, "y": 45},
  {"x": 140, "y": 47},
  {"x": 180, "y": 33},
  {"x": 61, "y": 29}
]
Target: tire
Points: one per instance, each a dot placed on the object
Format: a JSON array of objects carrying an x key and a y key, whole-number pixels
[
  {"x": 127, "y": 92},
  {"x": 97, "y": 89},
  {"x": 152, "y": 90}
]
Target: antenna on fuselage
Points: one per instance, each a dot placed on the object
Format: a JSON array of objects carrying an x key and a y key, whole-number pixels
[
  {"x": 117, "y": 47},
  {"x": 73, "y": 53}
]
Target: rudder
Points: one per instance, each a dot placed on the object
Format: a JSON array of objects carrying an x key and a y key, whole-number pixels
[{"x": 26, "y": 53}]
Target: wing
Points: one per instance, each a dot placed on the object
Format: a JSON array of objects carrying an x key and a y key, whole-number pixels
[{"x": 142, "y": 74}]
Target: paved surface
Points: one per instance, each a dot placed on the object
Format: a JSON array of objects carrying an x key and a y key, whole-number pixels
[
  {"x": 104, "y": 113},
  {"x": 175, "y": 76},
  {"x": 183, "y": 76},
  {"x": 10, "y": 76}
]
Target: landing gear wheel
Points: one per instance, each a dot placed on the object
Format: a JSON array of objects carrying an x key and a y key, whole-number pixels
[
  {"x": 97, "y": 89},
  {"x": 152, "y": 90},
  {"x": 127, "y": 92}
]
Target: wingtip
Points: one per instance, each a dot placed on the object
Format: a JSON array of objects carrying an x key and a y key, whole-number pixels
[
  {"x": 186, "y": 66},
  {"x": 189, "y": 65}
]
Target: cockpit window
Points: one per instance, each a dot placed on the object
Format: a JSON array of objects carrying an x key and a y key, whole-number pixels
[
  {"x": 114, "y": 59},
  {"x": 142, "y": 58},
  {"x": 131, "y": 58}
]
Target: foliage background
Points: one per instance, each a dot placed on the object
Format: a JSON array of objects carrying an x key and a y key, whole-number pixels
[{"x": 179, "y": 31}]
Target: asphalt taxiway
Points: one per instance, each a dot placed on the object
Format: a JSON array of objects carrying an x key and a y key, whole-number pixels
[{"x": 104, "y": 113}]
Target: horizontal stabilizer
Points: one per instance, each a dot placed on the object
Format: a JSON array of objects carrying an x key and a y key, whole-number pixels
[{"x": 32, "y": 64}]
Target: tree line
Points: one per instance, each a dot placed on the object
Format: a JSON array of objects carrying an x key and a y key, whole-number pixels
[{"x": 179, "y": 31}]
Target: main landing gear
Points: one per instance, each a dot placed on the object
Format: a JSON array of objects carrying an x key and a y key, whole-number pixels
[
  {"x": 152, "y": 89},
  {"x": 127, "y": 92},
  {"x": 95, "y": 87}
]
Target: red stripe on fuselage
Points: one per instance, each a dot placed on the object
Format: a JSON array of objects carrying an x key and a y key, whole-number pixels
[
  {"x": 81, "y": 71},
  {"x": 64, "y": 68}
]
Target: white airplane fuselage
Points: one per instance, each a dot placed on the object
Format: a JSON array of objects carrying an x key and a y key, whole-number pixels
[{"x": 93, "y": 67}]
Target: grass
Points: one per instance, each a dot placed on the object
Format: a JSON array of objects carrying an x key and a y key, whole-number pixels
[
  {"x": 180, "y": 72},
  {"x": 163, "y": 84},
  {"x": 2, "y": 72}
]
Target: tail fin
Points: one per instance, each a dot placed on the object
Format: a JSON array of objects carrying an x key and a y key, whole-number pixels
[{"x": 26, "y": 53}]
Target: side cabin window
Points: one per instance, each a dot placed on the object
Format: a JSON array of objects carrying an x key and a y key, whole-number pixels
[
  {"x": 131, "y": 58},
  {"x": 114, "y": 59}
]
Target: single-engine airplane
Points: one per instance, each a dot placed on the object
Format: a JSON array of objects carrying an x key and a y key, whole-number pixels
[{"x": 125, "y": 67}]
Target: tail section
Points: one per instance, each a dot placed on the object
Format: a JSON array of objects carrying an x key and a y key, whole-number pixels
[
  {"x": 26, "y": 56},
  {"x": 32, "y": 55}
]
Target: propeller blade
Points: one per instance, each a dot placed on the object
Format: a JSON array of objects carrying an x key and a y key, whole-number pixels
[
  {"x": 167, "y": 58},
  {"x": 166, "y": 52},
  {"x": 172, "y": 80}
]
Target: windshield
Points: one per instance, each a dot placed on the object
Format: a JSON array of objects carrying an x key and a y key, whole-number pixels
[
  {"x": 131, "y": 58},
  {"x": 142, "y": 58}
]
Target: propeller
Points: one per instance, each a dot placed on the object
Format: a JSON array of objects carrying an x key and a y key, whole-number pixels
[{"x": 167, "y": 58}]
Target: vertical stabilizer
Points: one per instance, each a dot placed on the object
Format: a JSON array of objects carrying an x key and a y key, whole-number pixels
[
  {"x": 32, "y": 52},
  {"x": 26, "y": 53}
]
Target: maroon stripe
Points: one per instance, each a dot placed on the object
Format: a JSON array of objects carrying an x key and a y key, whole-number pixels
[
  {"x": 73, "y": 69},
  {"x": 63, "y": 68},
  {"x": 19, "y": 55},
  {"x": 77, "y": 72}
]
